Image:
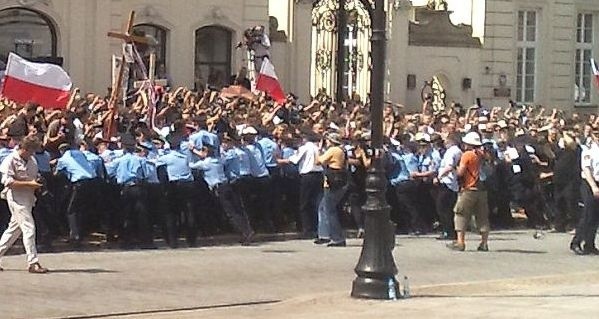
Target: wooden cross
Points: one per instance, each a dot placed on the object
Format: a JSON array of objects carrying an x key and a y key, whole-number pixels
[
  {"x": 152, "y": 75},
  {"x": 128, "y": 38}
]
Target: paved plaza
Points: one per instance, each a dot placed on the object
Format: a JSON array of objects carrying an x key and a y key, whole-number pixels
[{"x": 521, "y": 277}]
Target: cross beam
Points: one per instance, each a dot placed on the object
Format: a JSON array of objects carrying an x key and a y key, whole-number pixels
[{"x": 128, "y": 38}]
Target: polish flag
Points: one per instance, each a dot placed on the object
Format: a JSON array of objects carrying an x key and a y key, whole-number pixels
[
  {"x": 269, "y": 82},
  {"x": 595, "y": 71},
  {"x": 45, "y": 84}
]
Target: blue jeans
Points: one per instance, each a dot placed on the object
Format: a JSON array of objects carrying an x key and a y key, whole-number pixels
[{"x": 329, "y": 226}]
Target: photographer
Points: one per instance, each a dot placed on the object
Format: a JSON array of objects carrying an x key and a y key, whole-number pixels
[{"x": 19, "y": 177}]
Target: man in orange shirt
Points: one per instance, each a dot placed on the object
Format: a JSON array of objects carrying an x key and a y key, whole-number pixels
[{"x": 472, "y": 199}]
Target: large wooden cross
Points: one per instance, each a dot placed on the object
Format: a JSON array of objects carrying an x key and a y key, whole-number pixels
[{"x": 129, "y": 38}]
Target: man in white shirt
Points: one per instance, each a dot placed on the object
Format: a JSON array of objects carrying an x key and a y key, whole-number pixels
[
  {"x": 19, "y": 176},
  {"x": 311, "y": 182},
  {"x": 449, "y": 187},
  {"x": 586, "y": 229}
]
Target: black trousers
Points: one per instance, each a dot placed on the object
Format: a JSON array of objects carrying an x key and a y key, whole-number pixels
[
  {"x": 136, "y": 226},
  {"x": 446, "y": 199},
  {"x": 290, "y": 190},
  {"x": 256, "y": 199},
  {"x": 311, "y": 191},
  {"x": 182, "y": 200},
  {"x": 357, "y": 199},
  {"x": 80, "y": 201},
  {"x": 587, "y": 226},
  {"x": 407, "y": 201},
  {"x": 566, "y": 204},
  {"x": 230, "y": 203}
]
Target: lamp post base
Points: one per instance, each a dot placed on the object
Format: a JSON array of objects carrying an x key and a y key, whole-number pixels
[
  {"x": 376, "y": 268},
  {"x": 371, "y": 288}
]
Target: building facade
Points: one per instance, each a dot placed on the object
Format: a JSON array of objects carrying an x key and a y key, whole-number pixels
[{"x": 532, "y": 51}]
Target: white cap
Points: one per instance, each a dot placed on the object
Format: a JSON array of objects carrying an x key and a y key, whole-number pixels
[
  {"x": 395, "y": 142},
  {"x": 250, "y": 130},
  {"x": 472, "y": 138},
  {"x": 422, "y": 137}
]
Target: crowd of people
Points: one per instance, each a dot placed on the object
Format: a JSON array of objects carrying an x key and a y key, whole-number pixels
[{"x": 212, "y": 161}]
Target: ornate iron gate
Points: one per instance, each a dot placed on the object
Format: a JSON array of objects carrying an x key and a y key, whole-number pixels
[{"x": 325, "y": 30}]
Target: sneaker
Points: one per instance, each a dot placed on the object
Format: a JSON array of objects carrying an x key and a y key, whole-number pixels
[
  {"x": 37, "y": 269},
  {"x": 483, "y": 247},
  {"x": 360, "y": 233},
  {"x": 321, "y": 241},
  {"x": 455, "y": 246},
  {"x": 339, "y": 244}
]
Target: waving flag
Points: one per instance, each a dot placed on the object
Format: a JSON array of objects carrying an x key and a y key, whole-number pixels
[
  {"x": 269, "y": 82},
  {"x": 45, "y": 84},
  {"x": 595, "y": 71}
]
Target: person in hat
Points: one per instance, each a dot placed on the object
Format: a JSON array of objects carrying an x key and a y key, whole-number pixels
[
  {"x": 181, "y": 192},
  {"x": 402, "y": 163},
  {"x": 335, "y": 185},
  {"x": 259, "y": 211},
  {"x": 586, "y": 229},
  {"x": 472, "y": 199},
  {"x": 214, "y": 173},
  {"x": 19, "y": 177},
  {"x": 428, "y": 164},
  {"x": 73, "y": 164},
  {"x": 131, "y": 174},
  {"x": 566, "y": 180},
  {"x": 155, "y": 185}
]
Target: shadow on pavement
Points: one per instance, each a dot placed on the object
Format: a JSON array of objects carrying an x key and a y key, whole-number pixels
[
  {"x": 508, "y": 296},
  {"x": 82, "y": 271},
  {"x": 520, "y": 251}
]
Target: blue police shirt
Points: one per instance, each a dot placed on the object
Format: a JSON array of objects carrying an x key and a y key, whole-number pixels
[
  {"x": 177, "y": 166},
  {"x": 411, "y": 162},
  {"x": 151, "y": 172},
  {"x": 245, "y": 166},
  {"x": 397, "y": 170},
  {"x": 128, "y": 169},
  {"x": 270, "y": 150},
  {"x": 232, "y": 166},
  {"x": 289, "y": 169},
  {"x": 202, "y": 137},
  {"x": 43, "y": 161},
  {"x": 214, "y": 170},
  {"x": 4, "y": 152},
  {"x": 96, "y": 161},
  {"x": 75, "y": 166},
  {"x": 258, "y": 165}
]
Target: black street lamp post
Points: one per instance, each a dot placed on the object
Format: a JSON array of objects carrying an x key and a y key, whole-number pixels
[{"x": 376, "y": 268}]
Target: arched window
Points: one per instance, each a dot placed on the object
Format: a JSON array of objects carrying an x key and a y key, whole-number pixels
[
  {"x": 159, "y": 34},
  {"x": 28, "y": 33},
  {"x": 213, "y": 56}
]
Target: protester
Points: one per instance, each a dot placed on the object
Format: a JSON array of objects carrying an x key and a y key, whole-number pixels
[{"x": 269, "y": 153}]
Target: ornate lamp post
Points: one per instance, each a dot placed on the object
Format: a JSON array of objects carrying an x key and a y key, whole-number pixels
[{"x": 376, "y": 266}]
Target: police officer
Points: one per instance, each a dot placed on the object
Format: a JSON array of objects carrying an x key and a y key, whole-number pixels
[
  {"x": 587, "y": 226},
  {"x": 130, "y": 173},
  {"x": 154, "y": 187},
  {"x": 260, "y": 210},
  {"x": 181, "y": 191},
  {"x": 272, "y": 152},
  {"x": 214, "y": 174},
  {"x": 78, "y": 170},
  {"x": 46, "y": 221}
]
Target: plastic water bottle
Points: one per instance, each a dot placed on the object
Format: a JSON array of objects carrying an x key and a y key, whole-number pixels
[
  {"x": 405, "y": 287},
  {"x": 538, "y": 235},
  {"x": 392, "y": 291}
]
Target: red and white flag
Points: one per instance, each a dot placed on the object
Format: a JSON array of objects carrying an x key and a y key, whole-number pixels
[
  {"x": 269, "y": 82},
  {"x": 595, "y": 71},
  {"x": 45, "y": 84}
]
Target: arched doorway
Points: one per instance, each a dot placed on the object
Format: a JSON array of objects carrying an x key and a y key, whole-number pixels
[
  {"x": 213, "y": 56},
  {"x": 158, "y": 34},
  {"x": 325, "y": 31},
  {"x": 28, "y": 33}
]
